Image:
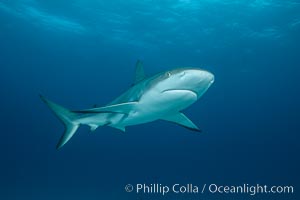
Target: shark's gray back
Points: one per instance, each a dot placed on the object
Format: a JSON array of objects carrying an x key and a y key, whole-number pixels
[{"x": 136, "y": 91}]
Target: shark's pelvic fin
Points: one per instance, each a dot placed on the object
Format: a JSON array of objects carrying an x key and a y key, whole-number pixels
[
  {"x": 182, "y": 120},
  {"x": 121, "y": 128},
  {"x": 123, "y": 108},
  {"x": 139, "y": 72},
  {"x": 66, "y": 117}
]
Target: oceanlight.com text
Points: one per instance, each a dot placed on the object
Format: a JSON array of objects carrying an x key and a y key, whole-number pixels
[
  {"x": 250, "y": 189},
  {"x": 164, "y": 189}
]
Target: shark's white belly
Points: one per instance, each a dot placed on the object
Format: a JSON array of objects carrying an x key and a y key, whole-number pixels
[{"x": 156, "y": 105}]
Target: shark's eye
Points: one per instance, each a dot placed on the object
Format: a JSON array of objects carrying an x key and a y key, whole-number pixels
[{"x": 168, "y": 74}]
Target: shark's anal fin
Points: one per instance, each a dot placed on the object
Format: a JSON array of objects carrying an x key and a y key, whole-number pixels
[
  {"x": 122, "y": 108},
  {"x": 93, "y": 127},
  {"x": 182, "y": 120},
  {"x": 139, "y": 72}
]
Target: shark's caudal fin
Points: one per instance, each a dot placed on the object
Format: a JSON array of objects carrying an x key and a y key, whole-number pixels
[{"x": 67, "y": 117}]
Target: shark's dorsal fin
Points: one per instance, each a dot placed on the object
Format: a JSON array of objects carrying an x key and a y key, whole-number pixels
[
  {"x": 123, "y": 108},
  {"x": 139, "y": 72},
  {"x": 182, "y": 120}
]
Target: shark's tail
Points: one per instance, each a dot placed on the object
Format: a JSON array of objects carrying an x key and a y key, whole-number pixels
[{"x": 68, "y": 119}]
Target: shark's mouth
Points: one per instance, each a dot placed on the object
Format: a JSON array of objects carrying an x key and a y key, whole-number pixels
[{"x": 187, "y": 90}]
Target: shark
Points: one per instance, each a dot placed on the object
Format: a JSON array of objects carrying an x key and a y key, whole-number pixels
[{"x": 162, "y": 96}]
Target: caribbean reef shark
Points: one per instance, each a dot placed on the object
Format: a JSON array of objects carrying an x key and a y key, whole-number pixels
[{"x": 159, "y": 97}]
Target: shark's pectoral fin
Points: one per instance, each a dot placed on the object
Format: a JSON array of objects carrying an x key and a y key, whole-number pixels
[
  {"x": 182, "y": 120},
  {"x": 139, "y": 72},
  {"x": 123, "y": 108}
]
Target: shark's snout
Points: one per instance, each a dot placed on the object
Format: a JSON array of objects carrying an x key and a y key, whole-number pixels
[
  {"x": 203, "y": 76},
  {"x": 210, "y": 77}
]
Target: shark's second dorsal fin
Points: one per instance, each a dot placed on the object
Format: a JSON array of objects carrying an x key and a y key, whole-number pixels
[{"x": 139, "y": 72}]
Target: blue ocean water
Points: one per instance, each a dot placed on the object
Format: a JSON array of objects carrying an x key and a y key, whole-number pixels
[{"x": 81, "y": 53}]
